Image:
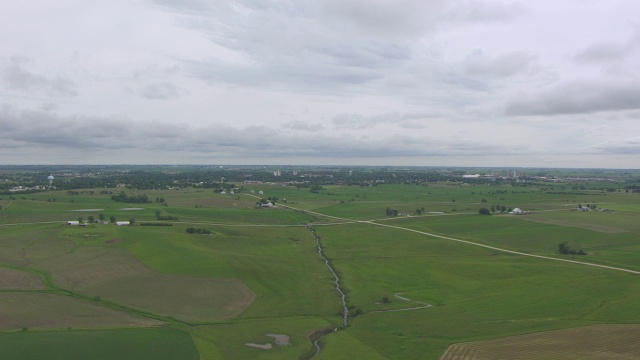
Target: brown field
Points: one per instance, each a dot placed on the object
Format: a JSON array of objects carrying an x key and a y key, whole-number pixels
[
  {"x": 115, "y": 275},
  {"x": 599, "y": 342},
  {"x": 50, "y": 311},
  {"x": 19, "y": 280},
  {"x": 25, "y": 248}
]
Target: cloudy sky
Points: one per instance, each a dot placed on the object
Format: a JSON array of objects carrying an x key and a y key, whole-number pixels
[{"x": 349, "y": 82}]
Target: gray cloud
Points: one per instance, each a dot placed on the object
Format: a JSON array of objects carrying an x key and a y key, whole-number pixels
[
  {"x": 578, "y": 98},
  {"x": 609, "y": 51},
  {"x": 301, "y": 125},
  {"x": 16, "y": 77},
  {"x": 359, "y": 121},
  {"x": 501, "y": 66},
  {"x": 602, "y": 52},
  {"x": 45, "y": 130},
  {"x": 629, "y": 146},
  {"x": 484, "y": 11},
  {"x": 160, "y": 91},
  {"x": 327, "y": 47}
]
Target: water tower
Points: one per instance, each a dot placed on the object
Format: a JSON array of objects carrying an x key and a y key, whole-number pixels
[{"x": 50, "y": 178}]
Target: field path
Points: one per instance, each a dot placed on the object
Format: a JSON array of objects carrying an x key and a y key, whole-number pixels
[
  {"x": 423, "y": 306},
  {"x": 372, "y": 222}
]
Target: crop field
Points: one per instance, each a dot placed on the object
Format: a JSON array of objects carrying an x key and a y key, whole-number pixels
[
  {"x": 435, "y": 280},
  {"x": 584, "y": 343}
]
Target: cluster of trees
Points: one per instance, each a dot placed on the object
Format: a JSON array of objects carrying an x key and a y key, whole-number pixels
[
  {"x": 123, "y": 197},
  {"x": 391, "y": 212},
  {"x": 270, "y": 199},
  {"x": 500, "y": 209},
  {"x": 159, "y": 216},
  {"x": 564, "y": 249},
  {"x": 484, "y": 211},
  {"x": 192, "y": 230}
]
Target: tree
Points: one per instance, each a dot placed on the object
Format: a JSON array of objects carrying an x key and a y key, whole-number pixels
[
  {"x": 484, "y": 211},
  {"x": 101, "y": 217},
  {"x": 132, "y": 220},
  {"x": 418, "y": 211},
  {"x": 112, "y": 219},
  {"x": 90, "y": 219},
  {"x": 81, "y": 220},
  {"x": 385, "y": 299},
  {"x": 564, "y": 249}
]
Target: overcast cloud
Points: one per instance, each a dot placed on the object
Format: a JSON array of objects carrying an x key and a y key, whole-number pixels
[{"x": 372, "y": 82}]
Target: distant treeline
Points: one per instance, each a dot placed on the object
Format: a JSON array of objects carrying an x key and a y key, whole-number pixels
[
  {"x": 156, "y": 224},
  {"x": 192, "y": 230},
  {"x": 137, "y": 199}
]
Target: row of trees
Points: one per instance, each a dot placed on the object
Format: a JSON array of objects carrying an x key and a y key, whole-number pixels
[
  {"x": 192, "y": 230},
  {"x": 101, "y": 218},
  {"x": 137, "y": 199}
]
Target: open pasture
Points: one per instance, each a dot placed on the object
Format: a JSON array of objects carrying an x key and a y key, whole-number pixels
[
  {"x": 476, "y": 293},
  {"x": 259, "y": 272},
  {"x": 279, "y": 264}
]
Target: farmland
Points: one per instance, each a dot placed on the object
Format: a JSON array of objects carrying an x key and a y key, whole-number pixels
[{"x": 435, "y": 274}]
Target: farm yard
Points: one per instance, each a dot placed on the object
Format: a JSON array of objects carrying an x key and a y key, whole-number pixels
[{"x": 436, "y": 281}]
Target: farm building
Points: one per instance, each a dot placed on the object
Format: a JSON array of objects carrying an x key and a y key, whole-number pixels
[
  {"x": 73, "y": 222},
  {"x": 517, "y": 211},
  {"x": 267, "y": 205},
  {"x": 123, "y": 223}
]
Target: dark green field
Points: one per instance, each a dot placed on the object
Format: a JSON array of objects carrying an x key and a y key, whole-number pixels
[{"x": 413, "y": 287}]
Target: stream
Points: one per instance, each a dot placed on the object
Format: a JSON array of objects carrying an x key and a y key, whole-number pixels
[{"x": 343, "y": 296}]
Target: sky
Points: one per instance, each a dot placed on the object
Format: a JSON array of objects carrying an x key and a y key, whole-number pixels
[{"x": 321, "y": 82}]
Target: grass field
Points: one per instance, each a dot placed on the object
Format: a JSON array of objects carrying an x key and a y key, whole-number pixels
[
  {"x": 133, "y": 344},
  {"x": 259, "y": 273}
]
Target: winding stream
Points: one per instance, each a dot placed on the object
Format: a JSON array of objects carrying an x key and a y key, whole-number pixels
[{"x": 343, "y": 296}]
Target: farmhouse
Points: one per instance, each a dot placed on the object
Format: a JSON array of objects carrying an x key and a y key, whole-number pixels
[{"x": 123, "y": 223}]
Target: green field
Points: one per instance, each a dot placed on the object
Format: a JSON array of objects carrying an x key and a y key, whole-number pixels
[{"x": 415, "y": 283}]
